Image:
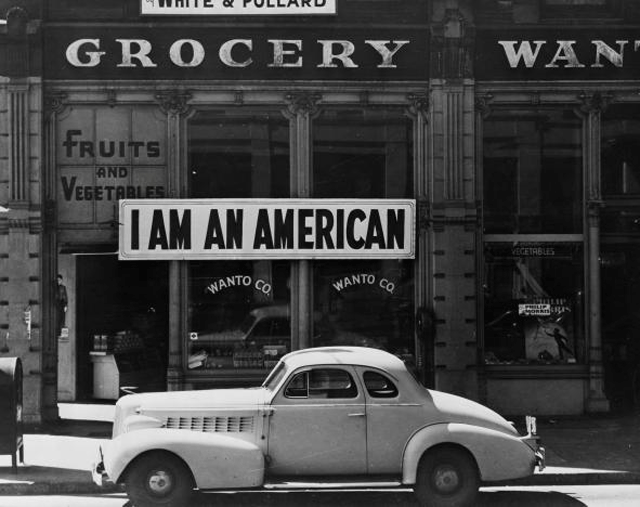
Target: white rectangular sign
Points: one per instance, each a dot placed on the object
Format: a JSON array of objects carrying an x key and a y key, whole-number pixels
[
  {"x": 237, "y": 7},
  {"x": 266, "y": 229},
  {"x": 534, "y": 309}
]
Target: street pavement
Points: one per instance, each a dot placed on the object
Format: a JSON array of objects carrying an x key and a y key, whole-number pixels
[{"x": 590, "y": 449}]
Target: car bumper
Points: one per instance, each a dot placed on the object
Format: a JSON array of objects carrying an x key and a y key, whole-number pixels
[
  {"x": 99, "y": 475},
  {"x": 540, "y": 458},
  {"x": 533, "y": 441}
]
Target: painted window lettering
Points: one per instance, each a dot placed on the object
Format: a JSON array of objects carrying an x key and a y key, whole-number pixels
[
  {"x": 136, "y": 53},
  {"x": 74, "y": 145}
]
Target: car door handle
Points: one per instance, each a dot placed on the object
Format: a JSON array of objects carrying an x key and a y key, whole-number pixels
[{"x": 358, "y": 414}]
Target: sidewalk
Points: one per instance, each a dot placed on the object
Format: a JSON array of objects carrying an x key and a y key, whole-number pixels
[{"x": 595, "y": 449}]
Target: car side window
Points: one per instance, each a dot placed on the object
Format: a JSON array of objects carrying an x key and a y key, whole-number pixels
[
  {"x": 379, "y": 386},
  {"x": 322, "y": 383}
]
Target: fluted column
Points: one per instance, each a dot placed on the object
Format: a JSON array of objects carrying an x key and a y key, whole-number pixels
[
  {"x": 418, "y": 110},
  {"x": 174, "y": 103},
  {"x": 302, "y": 107},
  {"x": 592, "y": 106}
]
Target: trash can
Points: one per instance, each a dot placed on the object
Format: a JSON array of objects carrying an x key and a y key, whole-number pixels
[{"x": 11, "y": 409}]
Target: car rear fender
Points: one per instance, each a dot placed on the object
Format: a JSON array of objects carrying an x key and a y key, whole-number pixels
[
  {"x": 215, "y": 460},
  {"x": 499, "y": 456}
]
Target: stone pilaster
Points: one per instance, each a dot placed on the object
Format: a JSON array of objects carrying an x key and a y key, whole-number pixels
[{"x": 453, "y": 210}]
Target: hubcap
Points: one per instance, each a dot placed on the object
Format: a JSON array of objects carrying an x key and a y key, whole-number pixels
[
  {"x": 446, "y": 479},
  {"x": 160, "y": 482}
]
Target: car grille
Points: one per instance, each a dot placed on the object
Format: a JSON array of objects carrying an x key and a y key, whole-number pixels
[{"x": 212, "y": 424}]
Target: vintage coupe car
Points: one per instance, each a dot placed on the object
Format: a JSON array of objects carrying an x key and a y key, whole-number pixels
[{"x": 336, "y": 414}]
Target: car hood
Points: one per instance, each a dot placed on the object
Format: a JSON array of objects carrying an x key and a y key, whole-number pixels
[
  {"x": 196, "y": 400},
  {"x": 462, "y": 410},
  {"x": 161, "y": 406}
]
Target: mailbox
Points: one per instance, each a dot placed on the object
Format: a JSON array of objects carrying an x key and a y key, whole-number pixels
[{"x": 11, "y": 409}]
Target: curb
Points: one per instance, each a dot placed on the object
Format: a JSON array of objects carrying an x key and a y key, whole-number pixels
[
  {"x": 57, "y": 488},
  {"x": 572, "y": 479},
  {"x": 88, "y": 488}
]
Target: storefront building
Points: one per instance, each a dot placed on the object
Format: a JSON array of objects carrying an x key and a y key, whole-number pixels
[{"x": 490, "y": 170}]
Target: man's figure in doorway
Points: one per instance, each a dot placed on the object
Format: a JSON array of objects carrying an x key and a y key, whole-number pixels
[{"x": 61, "y": 305}]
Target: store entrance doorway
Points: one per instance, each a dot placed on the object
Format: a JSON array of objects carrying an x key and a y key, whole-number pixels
[
  {"x": 122, "y": 324},
  {"x": 620, "y": 274}
]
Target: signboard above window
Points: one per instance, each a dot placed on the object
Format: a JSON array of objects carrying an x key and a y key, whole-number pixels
[
  {"x": 236, "y": 7},
  {"x": 212, "y": 229}
]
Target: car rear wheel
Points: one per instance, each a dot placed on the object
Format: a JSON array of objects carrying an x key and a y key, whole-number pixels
[
  {"x": 159, "y": 479},
  {"x": 447, "y": 477}
]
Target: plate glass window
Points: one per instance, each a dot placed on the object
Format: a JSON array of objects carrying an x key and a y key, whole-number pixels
[
  {"x": 360, "y": 154},
  {"x": 238, "y": 311}
]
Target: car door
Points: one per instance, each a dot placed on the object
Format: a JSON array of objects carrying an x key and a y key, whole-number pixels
[
  {"x": 391, "y": 420},
  {"x": 318, "y": 424}
]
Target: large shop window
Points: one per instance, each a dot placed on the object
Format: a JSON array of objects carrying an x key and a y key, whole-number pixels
[
  {"x": 533, "y": 303},
  {"x": 239, "y": 311},
  {"x": 532, "y": 172},
  {"x": 533, "y": 254},
  {"x": 368, "y": 302}
]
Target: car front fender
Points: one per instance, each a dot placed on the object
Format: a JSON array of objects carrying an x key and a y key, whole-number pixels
[
  {"x": 499, "y": 456},
  {"x": 216, "y": 461}
]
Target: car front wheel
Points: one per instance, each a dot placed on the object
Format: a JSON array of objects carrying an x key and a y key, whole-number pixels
[
  {"x": 159, "y": 479},
  {"x": 447, "y": 477}
]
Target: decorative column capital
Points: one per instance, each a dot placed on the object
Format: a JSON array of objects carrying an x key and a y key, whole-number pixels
[
  {"x": 173, "y": 102},
  {"x": 418, "y": 104},
  {"x": 54, "y": 102},
  {"x": 596, "y": 102},
  {"x": 305, "y": 103},
  {"x": 483, "y": 104}
]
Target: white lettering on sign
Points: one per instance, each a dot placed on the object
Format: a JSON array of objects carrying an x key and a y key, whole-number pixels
[
  {"x": 527, "y": 53},
  {"x": 285, "y": 53},
  {"x": 197, "y": 49},
  {"x": 236, "y": 7},
  {"x": 267, "y": 229}
]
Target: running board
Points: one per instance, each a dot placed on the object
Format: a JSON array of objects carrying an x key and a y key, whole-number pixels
[{"x": 333, "y": 484}]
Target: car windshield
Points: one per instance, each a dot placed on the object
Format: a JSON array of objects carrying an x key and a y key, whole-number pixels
[{"x": 275, "y": 376}]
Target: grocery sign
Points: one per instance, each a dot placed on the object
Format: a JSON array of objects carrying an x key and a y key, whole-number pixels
[
  {"x": 163, "y": 229},
  {"x": 236, "y": 7}
]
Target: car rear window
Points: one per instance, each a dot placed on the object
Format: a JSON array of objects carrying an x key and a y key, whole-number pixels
[{"x": 379, "y": 386}]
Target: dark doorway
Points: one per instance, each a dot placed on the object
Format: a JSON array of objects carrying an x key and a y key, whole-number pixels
[
  {"x": 621, "y": 324},
  {"x": 117, "y": 297}
]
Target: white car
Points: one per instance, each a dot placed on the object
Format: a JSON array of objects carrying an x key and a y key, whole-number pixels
[{"x": 331, "y": 413}]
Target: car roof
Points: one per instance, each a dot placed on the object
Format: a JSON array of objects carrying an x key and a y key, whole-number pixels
[{"x": 358, "y": 356}]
